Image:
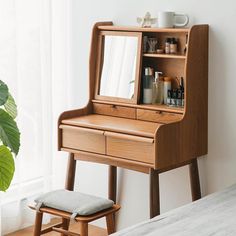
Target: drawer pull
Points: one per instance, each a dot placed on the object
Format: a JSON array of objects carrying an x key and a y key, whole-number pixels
[
  {"x": 128, "y": 137},
  {"x": 81, "y": 129}
]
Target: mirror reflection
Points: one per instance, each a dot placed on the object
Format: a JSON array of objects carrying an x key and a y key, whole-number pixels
[{"x": 118, "y": 69}]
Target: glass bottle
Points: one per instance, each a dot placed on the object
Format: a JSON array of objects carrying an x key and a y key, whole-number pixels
[
  {"x": 147, "y": 85},
  {"x": 158, "y": 89}
]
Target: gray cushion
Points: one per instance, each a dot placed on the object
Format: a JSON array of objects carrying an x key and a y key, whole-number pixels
[{"x": 73, "y": 202}]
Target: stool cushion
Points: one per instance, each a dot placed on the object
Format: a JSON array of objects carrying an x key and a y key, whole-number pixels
[{"x": 73, "y": 202}]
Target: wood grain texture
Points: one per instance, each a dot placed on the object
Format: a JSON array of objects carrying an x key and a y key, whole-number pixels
[
  {"x": 188, "y": 138},
  {"x": 83, "y": 139},
  {"x": 87, "y": 219},
  {"x": 114, "y": 110},
  {"x": 110, "y": 160},
  {"x": 130, "y": 149},
  {"x": 154, "y": 193},
  {"x": 158, "y": 116},
  {"x": 152, "y": 107},
  {"x": 195, "y": 181},
  {"x": 116, "y": 124}
]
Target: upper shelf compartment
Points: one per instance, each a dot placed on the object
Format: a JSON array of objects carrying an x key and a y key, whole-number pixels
[
  {"x": 173, "y": 56},
  {"x": 139, "y": 29}
]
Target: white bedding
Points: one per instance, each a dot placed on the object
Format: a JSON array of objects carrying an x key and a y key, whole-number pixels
[{"x": 211, "y": 215}]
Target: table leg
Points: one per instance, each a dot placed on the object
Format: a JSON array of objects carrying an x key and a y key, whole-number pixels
[
  {"x": 195, "y": 181},
  {"x": 70, "y": 176},
  {"x": 112, "y": 182},
  {"x": 154, "y": 193}
]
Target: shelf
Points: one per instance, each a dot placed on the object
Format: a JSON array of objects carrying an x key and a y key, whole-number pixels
[
  {"x": 155, "y": 107},
  {"x": 172, "y": 56},
  {"x": 140, "y": 29}
]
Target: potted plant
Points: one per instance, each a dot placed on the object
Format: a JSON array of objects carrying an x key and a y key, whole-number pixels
[{"x": 9, "y": 137}]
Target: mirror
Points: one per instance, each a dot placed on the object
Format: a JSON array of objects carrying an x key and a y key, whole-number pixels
[{"x": 118, "y": 65}]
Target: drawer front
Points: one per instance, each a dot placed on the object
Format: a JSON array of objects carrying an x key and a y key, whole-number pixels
[
  {"x": 158, "y": 116},
  {"x": 83, "y": 139},
  {"x": 114, "y": 110},
  {"x": 130, "y": 147}
]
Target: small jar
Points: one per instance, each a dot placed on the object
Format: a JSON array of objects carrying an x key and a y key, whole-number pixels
[
  {"x": 173, "y": 46},
  {"x": 167, "y": 46},
  {"x": 167, "y": 86}
]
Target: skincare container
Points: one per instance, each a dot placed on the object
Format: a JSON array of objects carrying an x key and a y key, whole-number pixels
[
  {"x": 157, "y": 89},
  {"x": 148, "y": 80},
  {"x": 167, "y": 86}
]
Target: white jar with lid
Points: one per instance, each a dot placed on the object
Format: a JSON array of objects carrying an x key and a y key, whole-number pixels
[{"x": 167, "y": 86}]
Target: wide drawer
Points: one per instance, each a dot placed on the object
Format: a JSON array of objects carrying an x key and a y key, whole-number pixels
[
  {"x": 158, "y": 116},
  {"x": 114, "y": 110},
  {"x": 83, "y": 139},
  {"x": 130, "y": 147}
]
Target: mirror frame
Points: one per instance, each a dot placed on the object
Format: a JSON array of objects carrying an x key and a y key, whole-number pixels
[{"x": 99, "y": 58}]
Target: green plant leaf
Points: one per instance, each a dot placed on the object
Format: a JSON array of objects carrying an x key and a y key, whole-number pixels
[
  {"x": 10, "y": 107},
  {"x": 9, "y": 132},
  {"x": 7, "y": 168},
  {"x": 3, "y": 93}
]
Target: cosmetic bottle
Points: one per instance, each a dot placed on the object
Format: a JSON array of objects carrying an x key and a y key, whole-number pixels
[
  {"x": 173, "y": 46},
  {"x": 169, "y": 96},
  {"x": 174, "y": 98},
  {"x": 157, "y": 89},
  {"x": 167, "y": 86},
  {"x": 147, "y": 85},
  {"x": 167, "y": 46}
]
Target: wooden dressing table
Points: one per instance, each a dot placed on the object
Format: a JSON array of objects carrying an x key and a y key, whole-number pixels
[{"x": 123, "y": 132}]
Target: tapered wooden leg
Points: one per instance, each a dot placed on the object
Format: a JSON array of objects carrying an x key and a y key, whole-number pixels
[
  {"x": 70, "y": 176},
  {"x": 38, "y": 223},
  {"x": 65, "y": 225},
  {"x": 154, "y": 193},
  {"x": 110, "y": 223},
  {"x": 112, "y": 185},
  {"x": 83, "y": 229},
  {"x": 195, "y": 181},
  {"x": 112, "y": 182}
]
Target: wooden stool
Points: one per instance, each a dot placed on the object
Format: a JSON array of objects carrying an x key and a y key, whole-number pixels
[{"x": 82, "y": 220}]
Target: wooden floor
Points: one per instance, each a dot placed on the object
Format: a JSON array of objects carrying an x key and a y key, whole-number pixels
[{"x": 93, "y": 231}]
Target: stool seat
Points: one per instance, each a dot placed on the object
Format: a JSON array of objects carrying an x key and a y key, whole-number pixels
[
  {"x": 67, "y": 215},
  {"x": 83, "y": 208},
  {"x": 73, "y": 202}
]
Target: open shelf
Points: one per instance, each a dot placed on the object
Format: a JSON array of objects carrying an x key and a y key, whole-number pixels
[{"x": 173, "y": 56}]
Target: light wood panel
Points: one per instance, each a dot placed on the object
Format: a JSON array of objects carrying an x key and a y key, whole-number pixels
[
  {"x": 120, "y": 125},
  {"x": 141, "y": 29},
  {"x": 130, "y": 148},
  {"x": 83, "y": 139},
  {"x": 158, "y": 116},
  {"x": 110, "y": 160},
  {"x": 114, "y": 110}
]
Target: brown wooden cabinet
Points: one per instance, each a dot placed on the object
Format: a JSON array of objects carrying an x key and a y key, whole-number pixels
[{"x": 124, "y": 132}]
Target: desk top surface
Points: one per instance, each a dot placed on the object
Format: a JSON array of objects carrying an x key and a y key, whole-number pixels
[{"x": 115, "y": 124}]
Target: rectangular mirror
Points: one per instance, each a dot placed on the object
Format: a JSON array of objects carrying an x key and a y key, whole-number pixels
[{"x": 118, "y": 66}]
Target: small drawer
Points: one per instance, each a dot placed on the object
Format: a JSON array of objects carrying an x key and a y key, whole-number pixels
[
  {"x": 158, "y": 116},
  {"x": 130, "y": 147},
  {"x": 83, "y": 139},
  {"x": 114, "y": 110}
]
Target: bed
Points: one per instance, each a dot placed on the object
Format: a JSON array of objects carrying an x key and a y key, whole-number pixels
[{"x": 212, "y": 215}]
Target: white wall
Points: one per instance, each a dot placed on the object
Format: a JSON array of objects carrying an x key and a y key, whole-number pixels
[{"x": 218, "y": 168}]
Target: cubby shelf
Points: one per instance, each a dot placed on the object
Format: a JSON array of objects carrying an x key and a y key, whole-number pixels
[{"x": 173, "y": 56}]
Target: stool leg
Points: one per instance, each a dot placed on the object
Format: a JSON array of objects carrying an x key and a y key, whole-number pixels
[
  {"x": 110, "y": 224},
  {"x": 38, "y": 223},
  {"x": 83, "y": 229},
  {"x": 195, "y": 181},
  {"x": 65, "y": 225},
  {"x": 154, "y": 193}
]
